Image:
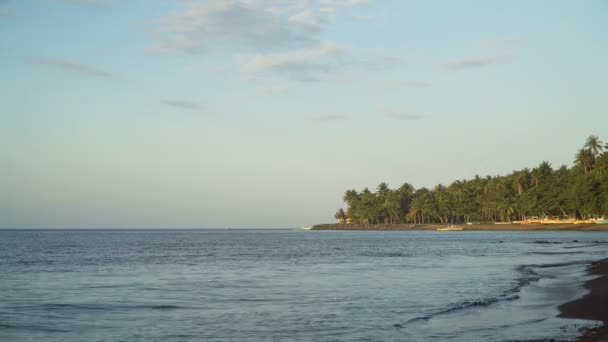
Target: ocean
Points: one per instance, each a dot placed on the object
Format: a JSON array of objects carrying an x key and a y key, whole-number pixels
[{"x": 291, "y": 285}]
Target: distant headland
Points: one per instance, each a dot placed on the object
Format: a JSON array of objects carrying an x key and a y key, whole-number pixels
[
  {"x": 466, "y": 227},
  {"x": 565, "y": 198}
]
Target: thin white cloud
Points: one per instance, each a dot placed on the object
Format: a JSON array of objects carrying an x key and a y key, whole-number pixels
[
  {"x": 381, "y": 58},
  {"x": 329, "y": 118},
  {"x": 278, "y": 36},
  {"x": 304, "y": 64},
  {"x": 189, "y": 105},
  {"x": 506, "y": 42},
  {"x": 83, "y": 3},
  {"x": 402, "y": 84},
  {"x": 351, "y": 3},
  {"x": 309, "y": 21},
  {"x": 69, "y": 65},
  {"x": 228, "y": 25},
  {"x": 409, "y": 117},
  {"x": 474, "y": 62},
  {"x": 272, "y": 90}
]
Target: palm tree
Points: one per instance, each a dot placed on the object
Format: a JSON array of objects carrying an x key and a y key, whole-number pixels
[
  {"x": 521, "y": 178},
  {"x": 382, "y": 189},
  {"x": 382, "y": 194},
  {"x": 584, "y": 158},
  {"x": 601, "y": 164},
  {"x": 392, "y": 206},
  {"x": 340, "y": 216},
  {"x": 353, "y": 200},
  {"x": 578, "y": 191},
  {"x": 594, "y": 145},
  {"x": 350, "y": 196},
  {"x": 541, "y": 173},
  {"x": 545, "y": 170}
]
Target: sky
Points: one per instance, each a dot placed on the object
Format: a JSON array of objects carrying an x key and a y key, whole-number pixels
[{"x": 261, "y": 113}]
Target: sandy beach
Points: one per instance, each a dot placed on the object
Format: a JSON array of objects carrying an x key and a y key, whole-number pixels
[{"x": 466, "y": 227}]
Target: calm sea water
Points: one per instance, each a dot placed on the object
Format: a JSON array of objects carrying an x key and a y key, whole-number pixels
[{"x": 286, "y": 285}]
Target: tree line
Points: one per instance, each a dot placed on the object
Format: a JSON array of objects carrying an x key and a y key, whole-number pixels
[{"x": 579, "y": 191}]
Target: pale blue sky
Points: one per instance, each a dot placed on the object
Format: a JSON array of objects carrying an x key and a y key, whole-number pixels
[{"x": 261, "y": 113}]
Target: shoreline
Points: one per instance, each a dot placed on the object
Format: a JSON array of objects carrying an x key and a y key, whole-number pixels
[
  {"x": 465, "y": 227},
  {"x": 592, "y": 306}
]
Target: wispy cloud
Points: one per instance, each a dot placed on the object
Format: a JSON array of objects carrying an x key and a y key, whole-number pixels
[
  {"x": 418, "y": 84},
  {"x": 229, "y": 25},
  {"x": 272, "y": 90},
  {"x": 410, "y": 117},
  {"x": 301, "y": 64},
  {"x": 329, "y": 118},
  {"x": 505, "y": 42},
  {"x": 413, "y": 84},
  {"x": 328, "y": 10},
  {"x": 68, "y": 65},
  {"x": 474, "y": 62},
  {"x": 184, "y": 104},
  {"x": 270, "y": 36},
  {"x": 351, "y": 3},
  {"x": 380, "y": 58},
  {"x": 387, "y": 113},
  {"x": 83, "y": 3}
]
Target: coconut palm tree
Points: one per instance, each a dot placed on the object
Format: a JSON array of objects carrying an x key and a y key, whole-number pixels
[
  {"x": 340, "y": 216},
  {"x": 392, "y": 206},
  {"x": 577, "y": 191},
  {"x": 584, "y": 158},
  {"x": 594, "y": 145},
  {"x": 521, "y": 179}
]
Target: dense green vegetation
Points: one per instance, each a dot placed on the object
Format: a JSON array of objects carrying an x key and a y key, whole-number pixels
[{"x": 580, "y": 191}]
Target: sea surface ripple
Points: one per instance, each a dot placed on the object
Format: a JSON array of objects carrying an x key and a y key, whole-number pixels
[{"x": 289, "y": 285}]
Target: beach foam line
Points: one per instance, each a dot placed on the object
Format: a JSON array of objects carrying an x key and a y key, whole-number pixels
[
  {"x": 592, "y": 306},
  {"x": 529, "y": 276}
]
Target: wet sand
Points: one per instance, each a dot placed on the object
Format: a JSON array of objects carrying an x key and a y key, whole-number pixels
[
  {"x": 594, "y": 305},
  {"x": 479, "y": 227}
]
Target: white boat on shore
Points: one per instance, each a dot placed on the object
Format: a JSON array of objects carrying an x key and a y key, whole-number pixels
[{"x": 450, "y": 228}]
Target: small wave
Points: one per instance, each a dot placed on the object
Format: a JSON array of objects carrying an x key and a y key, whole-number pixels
[
  {"x": 257, "y": 300},
  {"x": 464, "y": 305},
  {"x": 385, "y": 254},
  {"x": 163, "y": 307},
  {"x": 37, "y": 328},
  {"x": 561, "y": 264},
  {"x": 111, "y": 286},
  {"x": 102, "y": 307},
  {"x": 553, "y": 253},
  {"x": 545, "y": 242},
  {"x": 529, "y": 276},
  {"x": 588, "y": 244}
]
